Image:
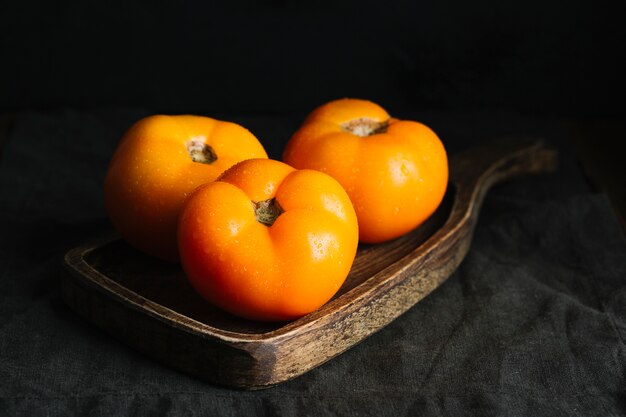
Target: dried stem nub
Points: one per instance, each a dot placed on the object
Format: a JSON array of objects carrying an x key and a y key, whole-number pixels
[
  {"x": 201, "y": 152},
  {"x": 267, "y": 211},
  {"x": 365, "y": 126}
]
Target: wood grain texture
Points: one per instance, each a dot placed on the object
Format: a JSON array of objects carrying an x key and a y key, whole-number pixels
[{"x": 149, "y": 305}]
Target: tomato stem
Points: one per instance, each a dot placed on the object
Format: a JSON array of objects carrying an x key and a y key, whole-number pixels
[
  {"x": 267, "y": 211},
  {"x": 365, "y": 126},
  {"x": 201, "y": 152}
]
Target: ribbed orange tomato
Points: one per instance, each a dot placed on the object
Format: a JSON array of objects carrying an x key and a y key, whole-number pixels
[
  {"x": 158, "y": 163},
  {"x": 395, "y": 171},
  {"x": 266, "y": 241}
]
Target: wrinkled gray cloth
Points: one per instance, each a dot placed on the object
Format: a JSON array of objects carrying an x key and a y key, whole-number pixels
[{"x": 531, "y": 324}]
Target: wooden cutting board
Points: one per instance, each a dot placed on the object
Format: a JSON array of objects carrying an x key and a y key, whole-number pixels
[{"x": 149, "y": 304}]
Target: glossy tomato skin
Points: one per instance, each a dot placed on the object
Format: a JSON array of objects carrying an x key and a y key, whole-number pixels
[
  {"x": 152, "y": 172},
  {"x": 395, "y": 172},
  {"x": 268, "y": 272}
]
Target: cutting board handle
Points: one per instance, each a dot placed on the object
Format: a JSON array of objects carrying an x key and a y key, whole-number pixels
[{"x": 475, "y": 171}]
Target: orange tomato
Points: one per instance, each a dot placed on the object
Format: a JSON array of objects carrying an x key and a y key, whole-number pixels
[
  {"x": 395, "y": 171},
  {"x": 158, "y": 163},
  {"x": 266, "y": 241}
]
